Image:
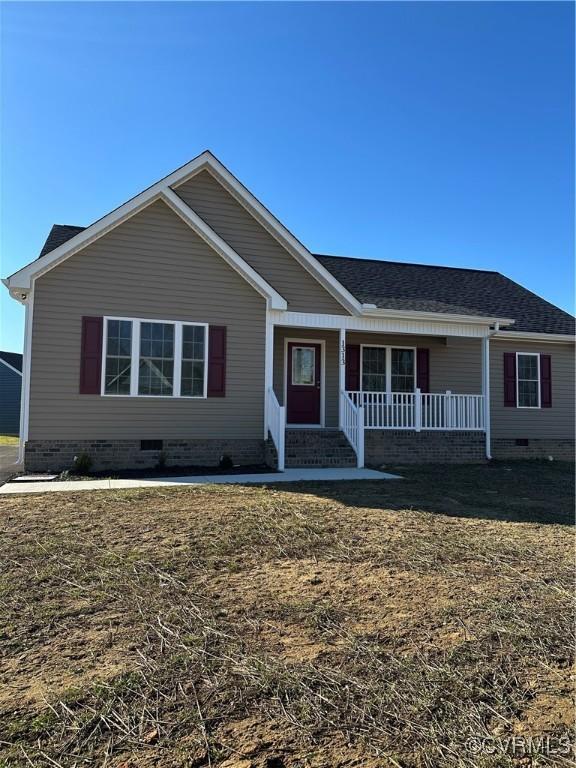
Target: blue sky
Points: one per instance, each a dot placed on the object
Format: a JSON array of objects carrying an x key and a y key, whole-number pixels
[{"x": 439, "y": 133}]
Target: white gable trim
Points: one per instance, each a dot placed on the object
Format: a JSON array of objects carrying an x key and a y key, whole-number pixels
[
  {"x": 11, "y": 367},
  {"x": 190, "y": 217},
  {"x": 20, "y": 282},
  {"x": 280, "y": 233}
]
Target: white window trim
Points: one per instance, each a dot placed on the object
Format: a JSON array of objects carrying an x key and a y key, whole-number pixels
[
  {"x": 135, "y": 358},
  {"x": 388, "y": 348},
  {"x": 538, "y": 381}
]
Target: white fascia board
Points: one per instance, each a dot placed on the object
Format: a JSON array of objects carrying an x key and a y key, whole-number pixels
[
  {"x": 21, "y": 280},
  {"x": 281, "y": 234},
  {"x": 368, "y": 311},
  {"x": 547, "y": 338},
  {"x": 233, "y": 259},
  {"x": 10, "y": 366}
]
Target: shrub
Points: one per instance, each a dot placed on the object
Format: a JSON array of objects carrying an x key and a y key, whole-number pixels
[
  {"x": 162, "y": 459},
  {"x": 82, "y": 464},
  {"x": 226, "y": 462}
]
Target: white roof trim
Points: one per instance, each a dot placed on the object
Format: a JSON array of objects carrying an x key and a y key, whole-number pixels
[
  {"x": 190, "y": 217},
  {"x": 370, "y": 311},
  {"x": 280, "y": 233},
  {"x": 529, "y": 336},
  {"x": 10, "y": 366},
  {"x": 21, "y": 280}
]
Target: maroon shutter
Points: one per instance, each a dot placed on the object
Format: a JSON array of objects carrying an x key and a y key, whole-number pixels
[
  {"x": 510, "y": 379},
  {"x": 217, "y": 361},
  {"x": 352, "y": 378},
  {"x": 423, "y": 370},
  {"x": 545, "y": 381},
  {"x": 91, "y": 355}
]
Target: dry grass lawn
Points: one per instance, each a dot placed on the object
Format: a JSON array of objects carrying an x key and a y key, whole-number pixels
[{"x": 359, "y": 624}]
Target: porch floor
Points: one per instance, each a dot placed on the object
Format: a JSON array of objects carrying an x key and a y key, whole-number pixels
[{"x": 298, "y": 474}]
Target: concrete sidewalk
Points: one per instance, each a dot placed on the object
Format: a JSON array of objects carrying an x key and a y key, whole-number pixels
[{"x": 289, "y": 476}]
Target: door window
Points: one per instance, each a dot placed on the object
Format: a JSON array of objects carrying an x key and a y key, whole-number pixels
[{"x": 303, "y": 366}]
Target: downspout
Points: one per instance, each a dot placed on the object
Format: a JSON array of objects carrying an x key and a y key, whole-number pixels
[
  {"x": 486, "y": 387},
  {"x": 26, "y": 367}
]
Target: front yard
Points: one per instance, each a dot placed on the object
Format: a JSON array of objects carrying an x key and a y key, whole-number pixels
[{"x": 362, "y": 624}]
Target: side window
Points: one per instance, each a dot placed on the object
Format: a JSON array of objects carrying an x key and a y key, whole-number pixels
[{"x": 528, "y": 380}]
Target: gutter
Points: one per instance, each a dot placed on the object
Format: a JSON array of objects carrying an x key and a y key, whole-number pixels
[{"x": 370, "y": 310}]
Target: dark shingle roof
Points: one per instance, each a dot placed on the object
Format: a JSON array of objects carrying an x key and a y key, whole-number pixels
[
  {"x": 58, "y": 235},
  {"x": 419, "y": 287},
  {"x": 12, "y": 358}
]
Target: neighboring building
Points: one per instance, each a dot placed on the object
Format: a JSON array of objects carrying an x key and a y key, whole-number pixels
[
  {"x": 190, "y": 320},
  {"x": 10, "y": 388}
]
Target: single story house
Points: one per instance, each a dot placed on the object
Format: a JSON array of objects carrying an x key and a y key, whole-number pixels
[
  {"x": 190, "y": 321},
  {"x": 10, "y": 388}
]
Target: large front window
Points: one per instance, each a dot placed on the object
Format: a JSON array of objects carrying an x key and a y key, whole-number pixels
[
  {"x": 388, "y": 369},
  {"x": 149, "y": 358}
]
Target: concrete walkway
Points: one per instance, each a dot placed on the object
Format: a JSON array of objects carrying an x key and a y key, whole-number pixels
[{"x": 289, "y": 476}]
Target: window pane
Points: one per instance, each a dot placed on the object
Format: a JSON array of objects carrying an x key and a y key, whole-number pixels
[
  {"x": 303, "y": 365},
  {"x": 528, "y": 367},
  {"x": 156, "y": 369},
  {"x": 193, "y": 361},
  {"x": 402, "y": 370},
  {"x": 528, "y": 394},
  {"x": 374, "y": 369},
  {"x": 118, "y": 357}
]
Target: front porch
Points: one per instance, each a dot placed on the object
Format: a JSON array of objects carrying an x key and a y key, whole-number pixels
[{"x": 355, "y": 384}]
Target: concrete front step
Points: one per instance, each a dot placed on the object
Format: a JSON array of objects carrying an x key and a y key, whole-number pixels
[{"x": 318, "y": 448}]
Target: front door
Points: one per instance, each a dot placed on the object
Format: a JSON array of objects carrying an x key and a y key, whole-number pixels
[{"x": 303, "y": 380}]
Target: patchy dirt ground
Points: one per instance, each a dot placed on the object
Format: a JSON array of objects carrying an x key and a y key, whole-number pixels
[{"x": 315, "y": 625}]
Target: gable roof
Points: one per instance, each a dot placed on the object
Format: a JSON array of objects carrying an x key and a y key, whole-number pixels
[
  {"x": 12, "y": 359},
  {"x": 20, "y": 282},
  {"x": 447, "y": 290},
  {"x": 58, "y": 235},
  {"x": 427, "y": 288}
]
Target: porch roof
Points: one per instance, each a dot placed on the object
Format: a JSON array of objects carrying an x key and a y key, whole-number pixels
[{"x": 447, "y": 290}]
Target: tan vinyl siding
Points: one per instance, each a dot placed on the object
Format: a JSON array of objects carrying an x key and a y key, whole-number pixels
[
  {"x": 152, "y": 266},
  {"x": 556, "y": 422},
  {"x": 455, "y": 363},
  {"x": 221, "y": 211}
]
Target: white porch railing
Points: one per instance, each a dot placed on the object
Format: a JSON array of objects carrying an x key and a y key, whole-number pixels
[
  {"x": 352, "y": 421},
  {"x": 417, "y": 411},
  {"x": 276, "y": 418}
]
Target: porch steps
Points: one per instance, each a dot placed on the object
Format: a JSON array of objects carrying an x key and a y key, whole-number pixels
[{"x": 318, "y": 448}]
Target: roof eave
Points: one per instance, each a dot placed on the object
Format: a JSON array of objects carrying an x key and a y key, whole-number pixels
[
  {"x": 370, "y": 310},
  {"x": 566, "y": 338}
]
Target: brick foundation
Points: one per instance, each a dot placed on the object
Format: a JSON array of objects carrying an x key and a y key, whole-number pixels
[
  {"x": 427, "y": 447},
  {"x": 561, "y": 450},
  {"x": 58, "y": 455}
]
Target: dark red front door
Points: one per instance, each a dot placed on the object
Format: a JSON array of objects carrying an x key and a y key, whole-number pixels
[{"x": 303, "y": 379}]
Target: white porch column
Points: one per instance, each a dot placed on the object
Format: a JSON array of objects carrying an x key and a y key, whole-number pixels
[
  {"x": 341, "y": 373},
  {"x": 486, "y": 391},
  {"x": 268, "y": 368}
]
